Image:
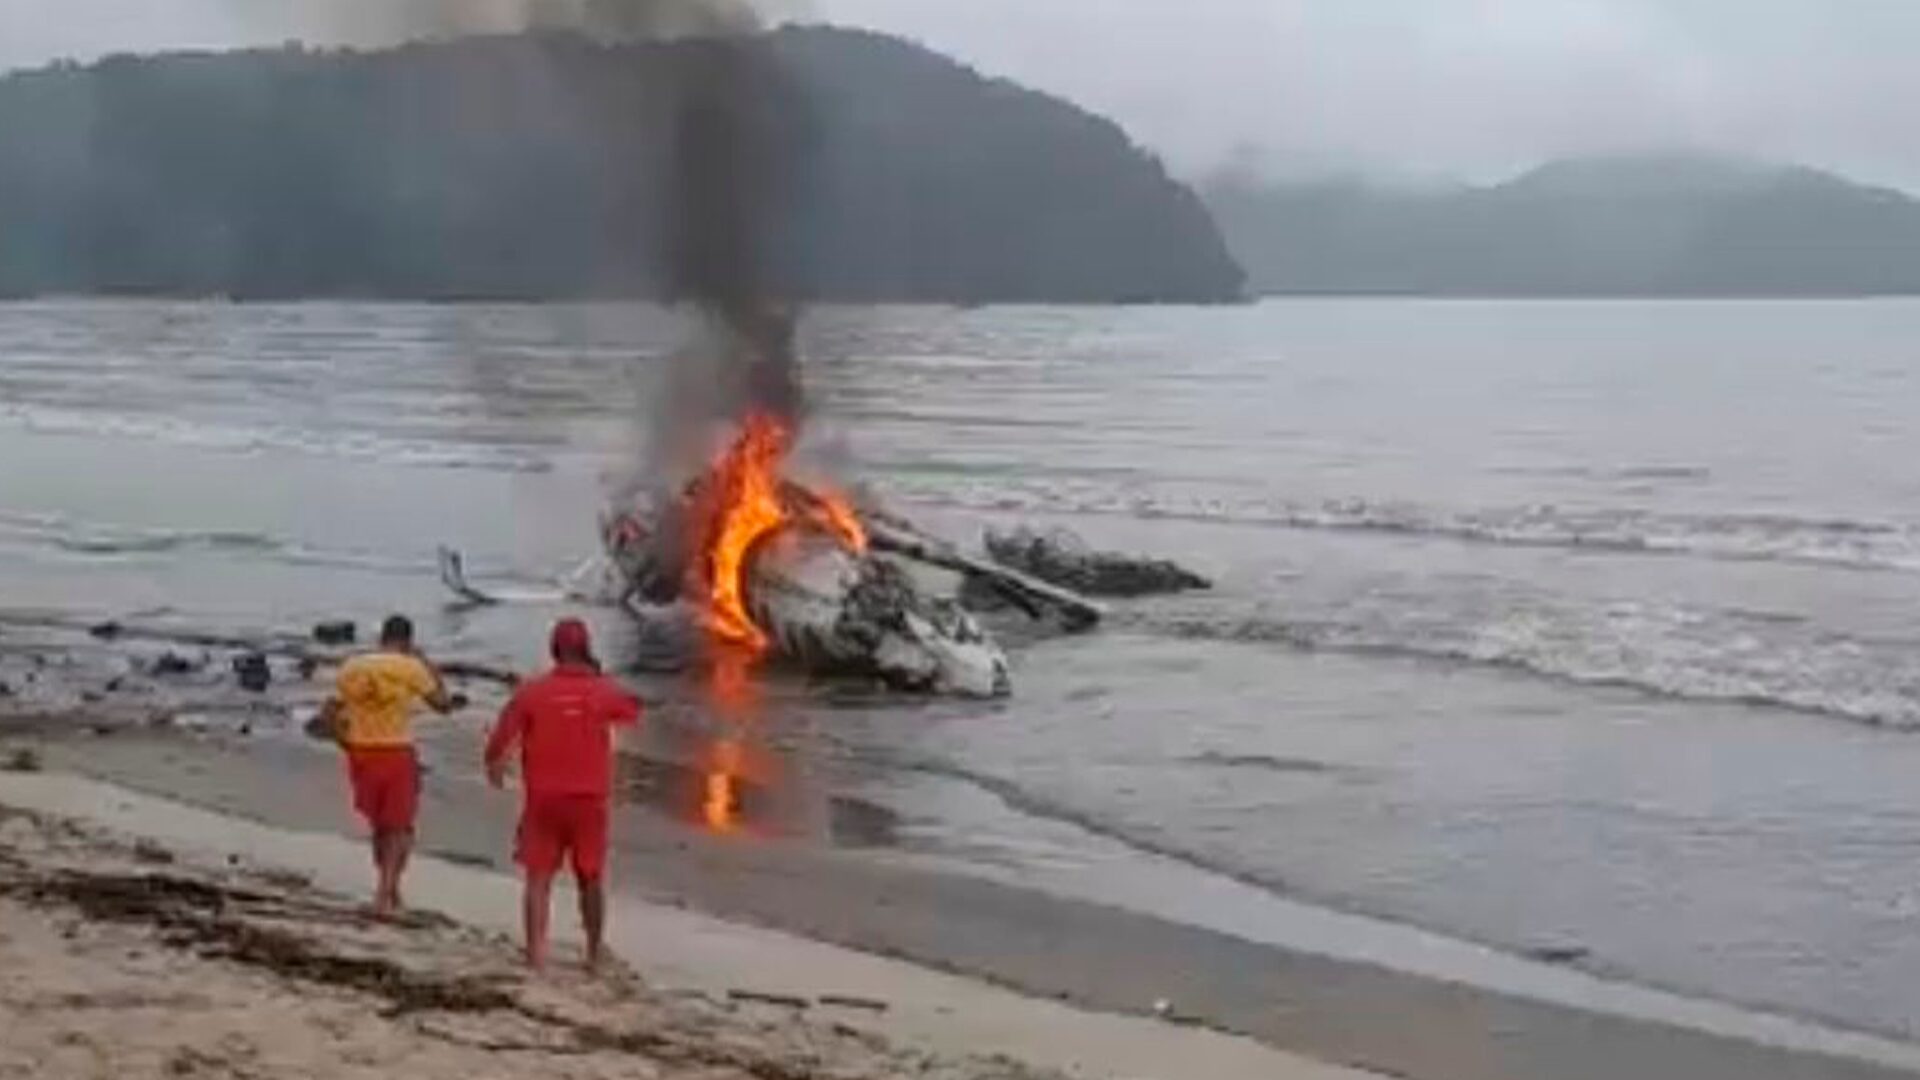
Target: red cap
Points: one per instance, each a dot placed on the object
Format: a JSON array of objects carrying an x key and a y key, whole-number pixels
[{"x": 572, "y": 641}]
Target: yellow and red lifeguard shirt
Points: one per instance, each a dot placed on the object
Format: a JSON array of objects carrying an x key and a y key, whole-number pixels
[{"x": 379, "y": 694}]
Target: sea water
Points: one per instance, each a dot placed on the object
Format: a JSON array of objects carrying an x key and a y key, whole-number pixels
[{"x": 1552, "y": 624}]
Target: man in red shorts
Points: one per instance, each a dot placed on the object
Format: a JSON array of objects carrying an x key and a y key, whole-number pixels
[
  {"x": 371, "y": 715},
  {"x": 564, "y": 723}
]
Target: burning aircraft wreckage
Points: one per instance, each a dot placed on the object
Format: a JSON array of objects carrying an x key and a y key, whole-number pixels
[
  {"x": 742, "y": 561},
  {"x": 746, "y": 562}
]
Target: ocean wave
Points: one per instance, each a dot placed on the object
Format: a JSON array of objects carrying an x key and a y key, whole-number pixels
[
  {"x": 1833, "y": 542},
  {"x": 236, "y": 437},
  {"x": 88, "y": 540},
  {"x": 1617, "y": 474},
  {"x": 99, "y": 541},
  {"x": 1739, "y": 537},
  {"x": 1663, "y": 651},
  {"x": 1260, "y": 763},
  {"x": 160, "y": 543}
]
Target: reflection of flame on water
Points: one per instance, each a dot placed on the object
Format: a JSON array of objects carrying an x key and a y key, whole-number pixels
[
  {"x": 722, "y": 806},
  {"x": 743, "y": 500}
]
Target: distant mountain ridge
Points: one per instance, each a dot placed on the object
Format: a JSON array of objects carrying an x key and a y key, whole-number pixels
[
  {"x": 1644, "y": 225},
  {"x": 537, "y": 166}
]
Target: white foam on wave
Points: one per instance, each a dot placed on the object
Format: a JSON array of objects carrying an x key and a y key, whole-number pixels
[
  {"x": 245, "y": 438},
  {"x": 1861, "y": 545},
  {"x": 97, "y": 540},
  {"x": 90, "y": 541},
  {"x": 1658, "y": 648}
]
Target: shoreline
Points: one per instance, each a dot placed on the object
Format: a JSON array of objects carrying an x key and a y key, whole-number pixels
[
  {"x": 968, "y": 1028},
  {"x": 122, "y": 956},
  {"x": 1373, "y": 1014}
]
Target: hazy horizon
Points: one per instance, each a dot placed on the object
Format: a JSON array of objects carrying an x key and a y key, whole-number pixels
[{"x": 1404, "y": 90}]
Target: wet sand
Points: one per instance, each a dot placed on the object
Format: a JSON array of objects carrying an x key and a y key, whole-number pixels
[{"x": 1103, "y": 958}]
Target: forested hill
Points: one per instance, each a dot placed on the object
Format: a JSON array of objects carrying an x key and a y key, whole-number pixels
[
  {"x": 537, "y": 167},
  {"x": 1643, "y": 225}
]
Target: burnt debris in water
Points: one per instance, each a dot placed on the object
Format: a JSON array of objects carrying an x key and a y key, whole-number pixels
[
  {"x": 253, "y": 671},
  {"x": 1063, "y": 558},
  {"x": 171, "y": 664},
  {"x": 338, "y": 632}
]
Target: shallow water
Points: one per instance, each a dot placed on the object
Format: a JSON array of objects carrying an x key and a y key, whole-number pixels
[{"x": 1543, "y": 623}]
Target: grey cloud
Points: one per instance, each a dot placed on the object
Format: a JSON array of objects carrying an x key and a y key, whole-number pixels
[
  {"x": 1466, "y": 87},
  {"x": 1473, "y": 87}
]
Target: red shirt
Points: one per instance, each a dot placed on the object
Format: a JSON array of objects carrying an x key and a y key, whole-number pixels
[{"x": 564, "y": 723}]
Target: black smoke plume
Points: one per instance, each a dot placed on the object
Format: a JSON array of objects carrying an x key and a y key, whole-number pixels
[
  {"x": 734, "y": 171},
  {"x": 714, "y": 216},
  {"x": 720, "y": 207},
  {"x": 390, "y": 22}
]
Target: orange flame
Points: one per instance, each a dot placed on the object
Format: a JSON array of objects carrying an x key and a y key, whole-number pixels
[
  {"x": 745, "y": 508},
  {"x": 832, "y": 512},
  {"x": 744, "y": 500}
]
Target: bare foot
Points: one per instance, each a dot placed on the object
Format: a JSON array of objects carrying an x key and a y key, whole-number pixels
[{"x": 594, "y": 957}]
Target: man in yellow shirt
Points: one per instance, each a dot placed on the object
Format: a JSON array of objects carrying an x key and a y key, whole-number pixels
[{"x": 371, "y": 715}]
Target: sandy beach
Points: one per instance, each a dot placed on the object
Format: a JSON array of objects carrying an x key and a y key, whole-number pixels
[
  {"x": 128, "y": 959},
  {"x": 146, "y": 938}
]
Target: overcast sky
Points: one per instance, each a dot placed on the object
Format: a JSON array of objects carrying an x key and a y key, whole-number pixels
[{"x": 1476, "y": 88}]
